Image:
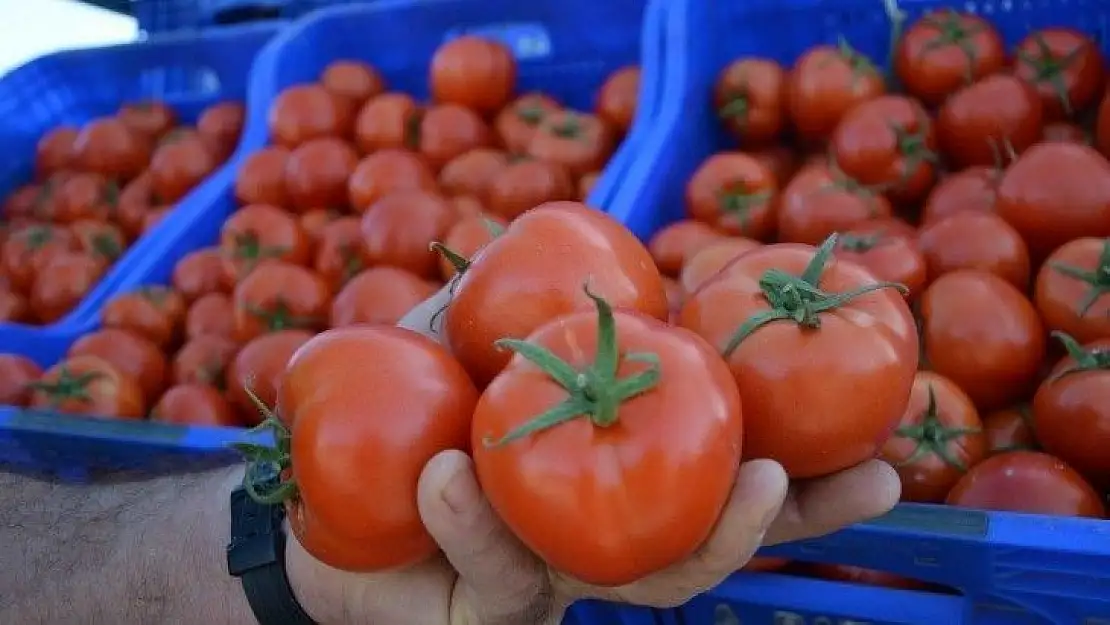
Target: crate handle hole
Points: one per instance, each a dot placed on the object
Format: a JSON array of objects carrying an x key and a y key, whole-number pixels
[
  {"x": 245, "y": 14},
  {"x": 181, "y": 80},
  {"x": 529, "y": 41}
]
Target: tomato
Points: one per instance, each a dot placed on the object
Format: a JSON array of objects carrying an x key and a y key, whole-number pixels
[
  {"x": 945, "y": 50},
  {"x": 199, "y": 273},
  {"x": 54, "y": 150},
  {"x": 973, "y": 189},
  {"x": 155, "y": 217},
  {"x": 387, "y": 171},
  {"x": 316, "y": 174},
  {"x": 820, "y": 200},
  {"x": 354, "y": 81},
  {"x": 983, "y": 334},
  {"x": 107, "y": 146},
  {"x": 450, "y": 130},
  {"x": 467, "y": 206},
  {"x": 150, "y": 118},
  {"x": 1056, "y": 192},
  {"x": 194, "y": 404},
  {"x": 130, "y": 353},
  {"x": 888, "y": 142},
  {"x": 1102, "y": 125},
  {"x": 390, "y": 121},
  {"x": 1071, "y": 409},
  {"x": 826, "y": 83},
  {"x": 580, "y": 142},
  {"x": 867, "y": 577},
  {"x": 1065, "y": 131},
  {"x": 632, "y": 426},
  {"x": 887, "y": 255},
  {"x": 155, "y": 312},
  {"x": 16, "y": 375},
  {"x": 219, "y": 127},
  {"x": 750, "y": 100},
  {"x": 1009, "y": 429},
  {"x": 977, "y": 121},
  {"x": 203, "y": 360},
  {"x": 1027, "y": 481},
  {"x": 63, "y": 282},
  {"x": 307, "y": 111},
  {"x": 27, "y": 201},
  {"x": 782, "y": 160},
  {"x": 81, "y": 196},
  {"x": 381, "y": 295},
  {"x": 467, "y": 237},
  {"x": 800, "y": 382},
  {"x": 133, "y": 203},
  {"x": 259, "y": 365},
  {"x": 90, "y": 386},
  {"x": 340, "y": 254},
  {"x": 261, "y": 177},
  {"x": 471, "y": 172},
  {"x": 258, "y": 233},
  {"x": 617, "y": 98},
  {"x": 314, "y": 221},
  {"x": 516, "y": 124},
  {"x": 577, "y": 244},
  {"x": 1064, "y": 66},
  {"x": 976, "y": 240},
  {"x": 398, "y": 229},
  {"x": 474, "y": 72},
  {"x": 178, "y": 166},
  {"x": 101, "y": 240},
  {"x": 708, "y": 262},
  {"x": 212, "y": 314},
  {"x": 676, "y": 243},
  {"x": 1072, "y": 291},
  {"x": 735, "y": 193},
  {"x": 29, "y": 249},
  {"x": 279, "y": 296},
  {"x": 13, "y": 307},
  {"x": 525, "y": 184}
]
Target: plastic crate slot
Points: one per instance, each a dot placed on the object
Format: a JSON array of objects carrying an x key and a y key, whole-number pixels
[
  {"x": 528, "y": 40},
  {"x": 178, "y": 81},
  {"x": 239, "y": 15}
]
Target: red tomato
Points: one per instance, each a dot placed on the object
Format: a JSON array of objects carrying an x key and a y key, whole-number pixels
[
  {"x": 204, "y": 360},
  {"x": 580, "y": 142},
  {"x": 260, "y": 366},
  {"x": 474, "y": 72},
  {"x": 1056, "y": 192},
  {"x": 637, "y": 425},
  {"x": 178, "y": 166},
  {"x": 29, "y": 201},
  {"x": 135, "y": 200},
  {"x": 983, "y": 334},
  {"x": 1073, "y": 289},
  {"x": 889, "y": 256},
  {"x": 387, "y": 171},
  {"x": 820, "y": 200},
  {"x": 219, "y": 126},
  {"x": 194, "y": 404},
  {"x": 62, "y": 284},
  {"x": 1102, "y": 125},
  {"x": 525, "y": 184},
  {"x": 340, "y": 254},
  {"x": 390, "y": 121},
  {"x": 945, "y": 50},
  {"x": 781, "y": 160},
  {"x": 735, "y": 193},
  {"x": 199, "y": 273},
  {"x": 867, "y": 577},
  {"x": 826, "y": 83},
  {"x": 467, "y": 237},
  {"x": 978, "y": 121},
  {"x": 450, "y": 130},
  {"x": 88, "y": 385},
  {"x": 304, "y": 112},
  {"x": 381, "y": 295},
  {"x": 155, "y": 312},
  {"x": 580, "y": 245},
  {"x": 155, "y": 217},
  {"x": 16, "y": 375},
  {"x": 258, "y": 233},
  {"x": 617, "y": 98},
  {"x": 314, "y": 221},
  {"x": 1027, "y": 481},
  {"x": 279, "y": 296},
  {"x": 973, "y": 189},
  {"x": 472, "y": 172},
  {"x": 107, "y": 146},
  {"x": 800, "y": 382},
  {"x": 261, "y": 177},
  {"x": 102, "y": 241},
  {"x": 1009, "y": 429},
  {"x": 516, "y": 124},
  {"x": 711, "y": 259},
  {"x": 1065, "y": 66},
  {"x": 29, "y": 249},
  {"x": 54, "y": 151},
  {"x": 398, "y": 229},
  {"x": 1066, "y": 132},
  {"x": 354, "y": 81},
  {"x": 211, "y": 315},
  {"x": 316, "y": 174},
  {"x": 151, "y": 119},
  {"x": 13, "y": 307},
  {"x": 976, "y": 240},
  {"x": 749, "y": 97},
  {"x": 675, "y": 244},
  {"x": 130, "y": 353},
  {"x": 80, "y": 196}
]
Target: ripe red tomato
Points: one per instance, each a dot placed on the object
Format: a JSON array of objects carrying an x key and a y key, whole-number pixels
[
  {"x": 516, "y": 124},
  {"x": 867, "y": 577},
  {"x": 387, "y": 171},
  {"x": 211, "y": 315},
  {"x": 976, "y": 240},
  {"x": 13, "y": 307},
  {"x": 471, "y": 172},
  {"x": 826, "y": 83},
  {"x": 580, "y": 142},
  {"x": 1056, "y": 192},
  {"x": 711, "y": 259},
  {"x": 16, "y": 375},
  {"x": 155, "y": 217},
  {"x": 178, "y": 166},
  {"x": 675, "y": 244},
  {"x": 800, "y": 382},
  {"x": 199, "y": 273},
  {"x": 735, "y": 193},
  {"x": 1102, "y": 125},
  {"x": 307, "y": 111},
  {"x": 102, "y": 241},
  {"x": 634, "y": 425},
  {"x": 980, "y": 120},
  {"x": 467, "y": 237},
  {"x": 279, "y": 296},
  {"x": 135, "y": 200},
  {"x": 195, "y": 404},
  {"x": 130, "y": 353},
  {"x": 889, "y": 256},
  {"x": 450, "y": 130},
  {"x": 1073, "y": 289},
  {"x": 390, "y": 121},
  {"x": 261, "y": 177},
  {"x": 398, "y": 229},
  {"x": 1009, "y": 429},
  {"x": 109, "y": 147},
  {"x": 939, "y": 438},
  {"x": 219, "y": 127},
  {"x": 888, "y": 142},
  {"x": 54, "y": 151},
  {"x": 353, "y": 81},
  {"x": 316, "y": 174},
  {"x": 509, "y": 290},
  {"x": 749, "y": 97},
  {"x": 1064, "y": 66},
  {"x": 30, "y": 248},
  {"x": 820, "y": 200},
  {"x": 149, "y": 118},
  {"x": 258, "y": 233},
  {"x": 155, "y": 312},
  {"x": 88, "y": 385},
  {"x": 945, "y": 50},
  {"x": 1027, "y": 481},
  {"x": 375, "y": 521},
  {"x": 260, "y": 366},
  {"x": 983, "y": 334},
  {"x": 204, "y": 360},
  {"x": 63, "y": 282},
  {"x": 340, "y": 254},
  {"x": 618, "y": 96},
  {"x": 525, "y": 184},
  {"x": 474, "y": 72},
  {"x": 380, "y": 295},
  {"x": 80, "y": 196},
  {"x": 314, "y": 221},
  {"x": 972, "y": 189}
]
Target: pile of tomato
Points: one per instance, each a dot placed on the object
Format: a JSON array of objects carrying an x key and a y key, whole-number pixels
[{"x": 96, "y": 189}]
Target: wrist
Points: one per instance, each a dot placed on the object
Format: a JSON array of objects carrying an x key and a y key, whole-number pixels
[{"x": 304, "y": 573}]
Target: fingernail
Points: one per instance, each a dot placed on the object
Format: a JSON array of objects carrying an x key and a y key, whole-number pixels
[
  {"x": 461, "y": 490},
  {"x": 768, "y": 476}
]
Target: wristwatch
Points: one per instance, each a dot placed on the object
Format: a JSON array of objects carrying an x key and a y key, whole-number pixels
[{"x": 256, "y": 555}]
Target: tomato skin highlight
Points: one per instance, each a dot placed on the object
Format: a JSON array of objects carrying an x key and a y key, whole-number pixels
[{"x": 1027, "y": 481}]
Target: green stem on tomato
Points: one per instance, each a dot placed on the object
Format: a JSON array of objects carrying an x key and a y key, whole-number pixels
[
  {"x": 457, "y": 260},
  {"x": 276, "y": 457},
  {"x": 1095, "y": 359},
  {"x": 67, "y": 387},
  {"x": 1098, "y": 280},
  {"x": 280, "y": 316},
  {"x": 932, "y": 436}
]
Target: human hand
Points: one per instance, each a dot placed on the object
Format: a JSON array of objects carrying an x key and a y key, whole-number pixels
[{"x": 485, "y": 576}]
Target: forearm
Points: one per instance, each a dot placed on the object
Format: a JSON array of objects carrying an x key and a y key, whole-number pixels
[{"x": 142, "y": 552}]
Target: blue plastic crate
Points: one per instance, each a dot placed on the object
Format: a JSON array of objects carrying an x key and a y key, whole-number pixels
[
  {"x": 1011, "y": 568},
  {"x": 76, "y": 86},
  {"x": 601, "y": 613}
]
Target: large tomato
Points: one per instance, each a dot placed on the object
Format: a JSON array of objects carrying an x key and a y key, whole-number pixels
[
  {"x": 535, "y": 270},
  {"x": 749, "y": 98},
  {"x": 384, "y": 172},
  {"x": 398, "y": 229},
  {"x": 983, "y": 334},
  {"x": 16, "y": 375},
  {"x": 1066, "y": 68},
  {"x": 155, "y": 312},
  {"x": 1073, "y": 289},
  {"x": 199, "y": 273},
  {"x": 888, "y": 255},
  {"x": 972, "y": 189},
  {"x": 1071, "y": 410},
  {"x": 450, "y": 130},
  {"x": 946, "y": 50},
  {"x": 380, "y": 295},
  {"x": 675, "y": 244},
  {"x": 736, "y": 193},
  {"x": 211, "y": 315},
  {"x": 258, "y": 367},
  {"x": 939, "y": 438},
  {"x": 279, "y": 296},
  {"x": 525, "y": 184},
  {"x": 195, "y": 404},
  {"x": 475, "y": 72},
  {"x": 803, "y": 333},
  {"x": 976, "y": 240},
  {"x": 617, "y": 98},
  {"x": 977, "y": 122},
  {"x": 825, "y": 84},
  {"x": 261, "y": 177},
  {"x": 820, "y": 200},
  {"x": 304, "y": 112},
  {"x": 316, "y": 174},
  {"x": 1027, "y": 481},
  {"x": 203, "y": 360},
  {"x": 88, "y": 385},
  {"x": 596, "y": 429},
  {"x": 1010, "y": 429},
  {"x": 128, "y": 352},
  {"x": 258, "y": 233}
]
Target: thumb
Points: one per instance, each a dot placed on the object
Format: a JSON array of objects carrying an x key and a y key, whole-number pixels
[{"x": 501, "y": 580}]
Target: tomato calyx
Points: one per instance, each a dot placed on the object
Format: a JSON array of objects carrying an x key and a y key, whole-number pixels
[
  {"x": 1098, "y": 280},
  {"x": 735, "y": 108},
  {"x": 412, "y": 130},
  {"x": 529, "y": 113},
  {"x": 595, "y": 393},
  {"x": 913, "y": 146},
  {"x": 932, "y": 436},
  {"x": 739, "y": 199},
  {"x": 352, "y": 262},
  {"x": 1096, "y": 359},
  {"x": 857, "y": 62},
  {"x": 279, "y": 316},
  {"x": 109, "y": 194},
  {"x": 37, "y": 237},
  {"x": 248, "y": 248},
  {"x": 68, "y": 386},
  {"x": 106, "y": 246},
  {"x": 266, "y": 461},
  {"x": 799, "y": 298},
  {"x": 859, "y": 243},
  {"x": 1049, "y": 68},
  {"x": 953, "y": 30},
  {"x": 570, "y": 127},
  {"x": 153, "y": 293},
  {"x": 842, "y": 182}
]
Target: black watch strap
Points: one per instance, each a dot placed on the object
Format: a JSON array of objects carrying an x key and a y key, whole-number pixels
[{"x": 256, "y": 555}]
